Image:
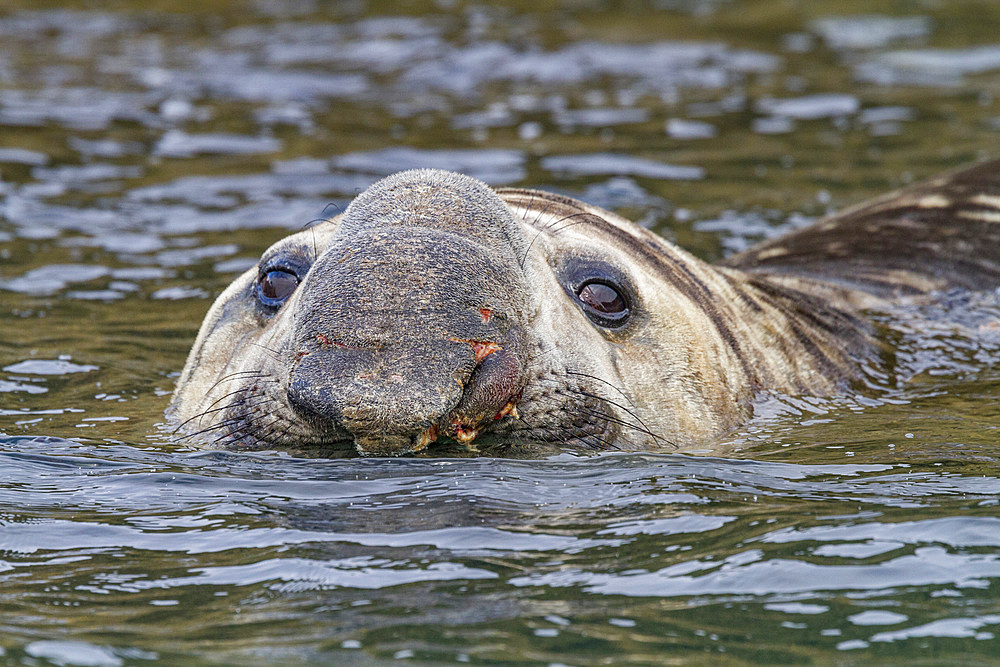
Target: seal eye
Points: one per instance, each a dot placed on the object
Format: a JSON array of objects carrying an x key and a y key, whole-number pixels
[
  {"x": 603, "y": 303},
  {"x": 603, "y": 298},
  {"x": 275, "y": 286}
]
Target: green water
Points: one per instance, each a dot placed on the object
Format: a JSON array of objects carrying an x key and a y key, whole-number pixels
[{"x": 150, "y": 151}]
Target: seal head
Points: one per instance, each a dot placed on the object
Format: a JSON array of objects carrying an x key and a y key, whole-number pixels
[
  {"x": 519, "y": 321},
  {"x": 436, "y": 308}
]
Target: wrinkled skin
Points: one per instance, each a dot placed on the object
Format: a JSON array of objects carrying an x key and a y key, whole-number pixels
[{"x": 436, "y": 313}]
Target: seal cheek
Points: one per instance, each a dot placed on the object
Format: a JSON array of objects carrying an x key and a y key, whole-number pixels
[{"x": 490, "y": 394}]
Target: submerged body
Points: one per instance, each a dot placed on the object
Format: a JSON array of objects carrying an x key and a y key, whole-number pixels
[{"x": 436, "y": 309}]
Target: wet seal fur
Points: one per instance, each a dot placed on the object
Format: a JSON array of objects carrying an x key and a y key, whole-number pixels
[{"x": 436, "y": 309}]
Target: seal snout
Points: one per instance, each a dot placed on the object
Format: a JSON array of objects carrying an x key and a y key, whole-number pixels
[{"x": 401, "y": 398}]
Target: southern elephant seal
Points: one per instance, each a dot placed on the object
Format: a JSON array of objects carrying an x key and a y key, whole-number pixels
[{"x": 436, "y": 309}]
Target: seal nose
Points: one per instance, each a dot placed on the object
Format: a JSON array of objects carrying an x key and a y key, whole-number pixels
[
  {"x": 391, "y": 405},
  {"x": 384, "y": 399}
]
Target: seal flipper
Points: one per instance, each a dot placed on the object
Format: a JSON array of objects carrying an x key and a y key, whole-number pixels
[{"x": 932, "y": 236}]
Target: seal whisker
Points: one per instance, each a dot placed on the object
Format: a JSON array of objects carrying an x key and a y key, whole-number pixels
[
  {"x": 236, "y": 374},
  {"x": 229, "y": 437},
  {"x": 567, "y": 226},
  {"x": 229, "y": 406},
  {"x": 250, "y": 428},
  {"x": 580, "y": 435},
  {"x": 541, "y": 213},
  {"x": 564, "y": 218},
  {"x": 222, "y": 424},
  {"x": 528, "y": 249},
  {"x": 241, "y": 375},
  {"x": 544, "y": 228},
  {"x": 607, "y": 382},
  {"x": 568, "y": 435},
  {"x": 323, "y": 217},
  {"x": 286, "y": 434},
  {"x": 257, "y": 375},
  {"x": 642, "y": 428},
  {"x": 225, "y": 396},
  {"x": 312, "y": 223},
  {"x": 552, "y": 226},
  {"x": 248, "y": 407},
  {"x": 274, "y": 353},
  {"x": 260, "y": 432},
  {"x": 334, "y": 205},
  {"x": 607, "y": 444},
  {"x": 531, "y": 202},
  {"x": 622, "y": 422}
]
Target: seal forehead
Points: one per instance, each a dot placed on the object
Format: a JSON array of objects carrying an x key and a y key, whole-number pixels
[
  {"x": 410, "y": 279},
  {"x": 436, "y": 199}
]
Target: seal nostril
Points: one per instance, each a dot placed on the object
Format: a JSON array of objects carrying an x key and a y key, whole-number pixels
[{"x": 308, "y": 398}]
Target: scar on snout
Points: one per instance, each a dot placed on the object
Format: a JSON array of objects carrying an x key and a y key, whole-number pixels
[
  {"x": 486, "y": 314},
  {"x": 481, "y": 348},
  {"x": 326, "y": 341}
]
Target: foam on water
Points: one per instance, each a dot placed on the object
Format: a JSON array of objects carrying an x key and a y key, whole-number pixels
[
  {"x": 176, "y": 143},
  {"x": 495, "y": 166},
  {"x": 811, "y": 107},
  {"x": 928, "y": 67}
]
